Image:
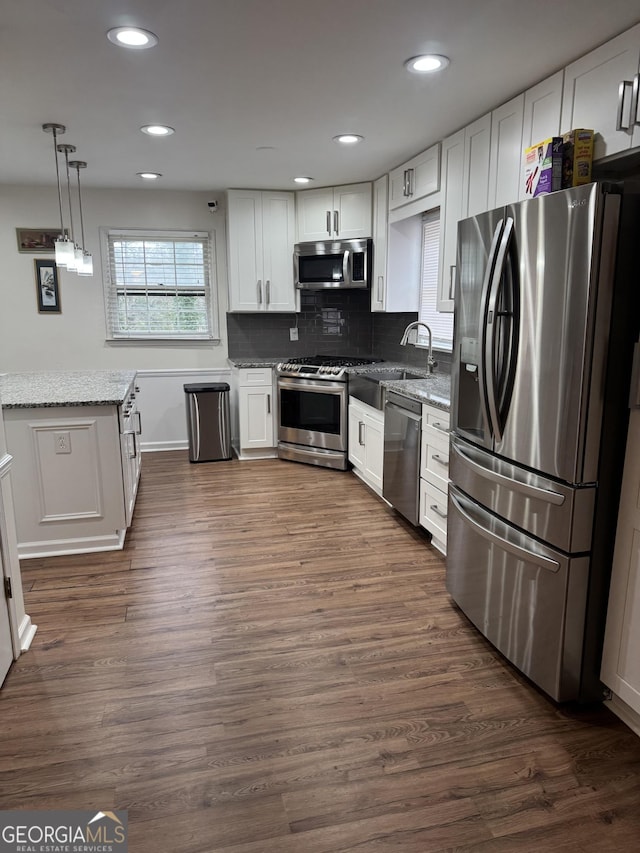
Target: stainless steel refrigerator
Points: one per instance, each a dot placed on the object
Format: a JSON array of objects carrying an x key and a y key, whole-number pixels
[{"x": 545, "y": 319}]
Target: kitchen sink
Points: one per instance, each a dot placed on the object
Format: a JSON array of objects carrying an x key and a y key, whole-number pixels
[{"x": 367, "y": 388}]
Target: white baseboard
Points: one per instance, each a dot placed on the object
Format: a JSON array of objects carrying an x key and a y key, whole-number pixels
[
  {"x": 624, "y": 712},
  {"x": 65, "y": 547},
  {"x": 152, "y": 446},
  {"x": 26, "y": 633}
]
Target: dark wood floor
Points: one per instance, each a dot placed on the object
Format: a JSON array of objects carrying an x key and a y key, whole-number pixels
[{"x": 272, "y": 664}]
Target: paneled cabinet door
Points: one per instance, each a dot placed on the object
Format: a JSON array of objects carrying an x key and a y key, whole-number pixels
[
  {"x": 477, "y": 150},
  {"x": 542, "y": 112},
  {"x": 256, "y": 417},
  {"x": 417, "y": 178},
  {"x": 278, "y": 239},
  {"x": 342, "y": 213},
  {"x": 450, "y": 213},
  {"x": 506, "y": 150},
  {"x": 620, "y": 659},
  {"x": 598, "y": 94},
  {"x": 374, "y": 441},
  {"x": 261, "y": 236},
  {"x": 380, "y": 227}
]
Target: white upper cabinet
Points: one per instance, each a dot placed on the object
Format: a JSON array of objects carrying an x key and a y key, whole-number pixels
[
  {"x": 599, "y": 93},
  {"x": 260, "y": 237},
  {"x": 380, "y": 226},
  {"x": 451, "y": 212},
  {"x": 506, "y": 153},
  {"x": 330, "y": 213},
  {"x": 542, "y": 112},
  {"x": 417, "y": 178},
  {"x": 475, "y": 179}
]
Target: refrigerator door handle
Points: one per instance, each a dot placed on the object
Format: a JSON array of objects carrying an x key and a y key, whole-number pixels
[
  {"x": 530, "y": 491},
  {"x": 484, "y": 298},
  {"x": 518, "y": 552},
  {"x": 490, "y": 327}
]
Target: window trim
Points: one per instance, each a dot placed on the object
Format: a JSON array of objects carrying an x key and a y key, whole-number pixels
[{"x": 211, "y": 290}]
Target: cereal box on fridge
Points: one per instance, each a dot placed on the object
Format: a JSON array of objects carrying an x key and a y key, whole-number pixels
[
  {"x": 577, "y": 154},
  {"x": 543, "y": 167}
]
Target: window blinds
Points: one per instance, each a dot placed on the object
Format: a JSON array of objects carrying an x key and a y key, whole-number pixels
[
  {"x": 158, "y": 285},
  {"x": 441, "y": 325}
]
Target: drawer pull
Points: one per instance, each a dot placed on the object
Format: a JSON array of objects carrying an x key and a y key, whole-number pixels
[
  {"x": 437, "y": 425},
  {"x": 435, "y": 508},
  {"x": 437, "y": 458}
]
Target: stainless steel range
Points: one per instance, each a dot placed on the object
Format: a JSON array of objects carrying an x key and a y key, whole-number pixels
[{"x": 313, "y": 397}]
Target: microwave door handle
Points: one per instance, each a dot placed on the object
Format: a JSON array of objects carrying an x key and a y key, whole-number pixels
[{"x": 346, "y": 278}]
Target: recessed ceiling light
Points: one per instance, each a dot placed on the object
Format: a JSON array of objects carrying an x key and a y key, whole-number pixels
[
  {"x": 157, "y": 130},
  {"x": 348, "y": 139},
  {"x": 132, "y": 37},
  {"x": 149, "y": 176},
  {"x": 426, "y": 63},
  {"x": 302, "y": 180}
]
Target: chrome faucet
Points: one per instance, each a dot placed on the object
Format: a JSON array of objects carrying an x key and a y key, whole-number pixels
[{"x": 405, "y": 340}]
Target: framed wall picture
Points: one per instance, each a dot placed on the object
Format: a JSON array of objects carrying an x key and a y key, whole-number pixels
[
  {"x": 37, "y": 240},
  {"x": 47, "y": 291}
]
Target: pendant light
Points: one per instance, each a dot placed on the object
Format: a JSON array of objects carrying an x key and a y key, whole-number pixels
[
  {"x": 85, "y": 267},
  {"x": 75, "y": 258},
  {"x": 64, "y": 248}
]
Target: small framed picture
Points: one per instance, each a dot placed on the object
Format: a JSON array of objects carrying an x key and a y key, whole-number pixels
[
  {"x": 37, "y": 240},
  {"x": 47, "y": 291}
]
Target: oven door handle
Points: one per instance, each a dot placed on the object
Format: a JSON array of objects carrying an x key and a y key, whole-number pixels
[{"x": 322, "y": 386}]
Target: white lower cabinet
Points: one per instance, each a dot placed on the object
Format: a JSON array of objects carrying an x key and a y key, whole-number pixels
[
  {"x": 366, "y": 443},
  {"x": 76, "y": 477},
  {"x": 254, "y": 433},
  {"x": 434, "y": 475}
]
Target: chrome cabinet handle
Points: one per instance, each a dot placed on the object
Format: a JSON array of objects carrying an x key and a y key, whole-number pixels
[
  {"x": 132, "y": 433},
  {"x": 451, "y": 269},
  {"x": 635, "y": 96},
  {"x": 336, "y": 222},
  {"x": 139, "y": 423},
  {"x": 268, "y": 292},
  {"x": 329, "y": 223},
  {"x": 259, "y": 291},
  {"x": 380, "y": 281},
  {"x": 437, "y": 458},
  {"x": 412, "y": 173},
  {"x": 405, "y": 187},
  {"x": 268, "y": 404},
  {"x": 622, "y": 89},
  {"x": 435, "y": 508},
  {"x": 437, "y": 425},
  {"x": 360, "y": 431}
]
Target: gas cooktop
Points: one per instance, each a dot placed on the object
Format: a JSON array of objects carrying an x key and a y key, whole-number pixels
[{"x": 329, "y": 366}]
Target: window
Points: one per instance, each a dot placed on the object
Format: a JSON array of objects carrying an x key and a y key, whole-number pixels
[
  {"x": 441, "y": 325},
  {"x": 157, "y": 285}
]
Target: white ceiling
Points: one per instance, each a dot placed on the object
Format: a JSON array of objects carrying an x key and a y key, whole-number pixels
[{"x": 234, "y": 76}]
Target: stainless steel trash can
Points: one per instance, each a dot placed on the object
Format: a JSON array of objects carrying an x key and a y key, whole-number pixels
[{"x": 208, "y": 421}]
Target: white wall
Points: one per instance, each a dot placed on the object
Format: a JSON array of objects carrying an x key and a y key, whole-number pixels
[{"x": 76, "y": 337}]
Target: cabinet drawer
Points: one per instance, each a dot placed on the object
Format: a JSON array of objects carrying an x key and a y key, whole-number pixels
[
  {"x": 435, "y": 465},
  {"x": 433, "y": 509},
  {"x": 255, "y": 376},
  {"x": 435, "y": 425}
]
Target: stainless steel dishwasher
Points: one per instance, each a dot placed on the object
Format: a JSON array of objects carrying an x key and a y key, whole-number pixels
[{"x": 401, "y": 469}]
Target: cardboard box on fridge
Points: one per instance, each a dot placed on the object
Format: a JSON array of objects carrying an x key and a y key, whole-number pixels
[
  {"x": 543, "y": 167},
  {"x": 577, "y": 156}
]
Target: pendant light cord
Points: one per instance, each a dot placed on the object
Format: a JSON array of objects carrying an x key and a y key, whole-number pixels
[{"x": 66, "y": 157}]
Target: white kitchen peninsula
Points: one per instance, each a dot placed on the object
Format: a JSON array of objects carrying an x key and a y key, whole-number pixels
[{"x": 74, "y": 438}]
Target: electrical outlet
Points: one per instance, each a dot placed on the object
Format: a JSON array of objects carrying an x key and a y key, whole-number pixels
[
  {"x": 62, "y": 441},
  {"x": 293, "y": 334}
]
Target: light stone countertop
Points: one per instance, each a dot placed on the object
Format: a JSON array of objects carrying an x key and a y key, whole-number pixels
[
  {"x": 434, "y": 389},
  {"x": 49, "y": 388}
]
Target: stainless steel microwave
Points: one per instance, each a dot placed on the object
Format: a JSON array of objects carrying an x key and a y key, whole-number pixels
[{"x": 334, "y": 263}]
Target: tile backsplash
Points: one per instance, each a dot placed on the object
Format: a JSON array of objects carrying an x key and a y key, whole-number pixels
[{"x": 336, "y": 322}]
